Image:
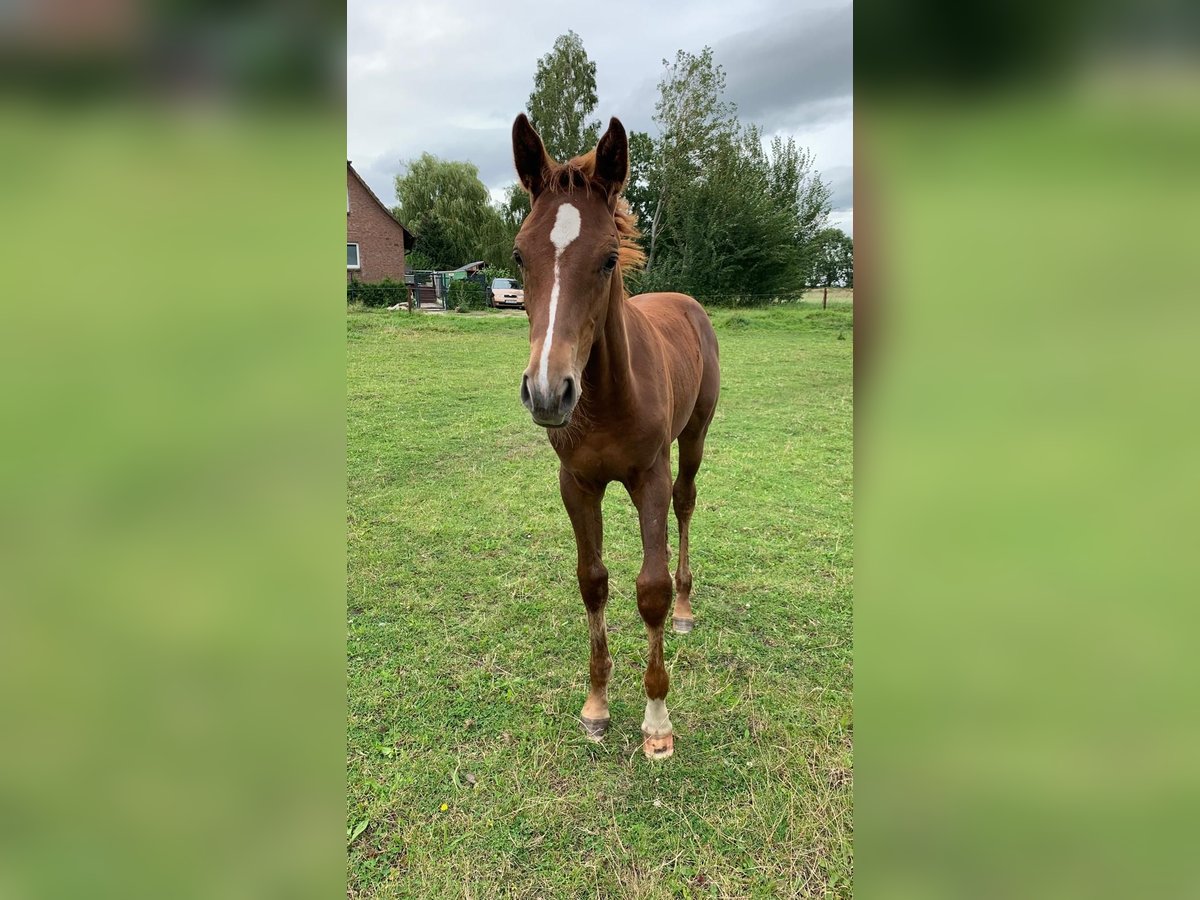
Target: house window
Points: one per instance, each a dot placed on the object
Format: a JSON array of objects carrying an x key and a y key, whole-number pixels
[{"x": 352, "y": 257}]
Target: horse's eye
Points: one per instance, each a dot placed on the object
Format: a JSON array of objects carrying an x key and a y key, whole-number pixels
[
  {"x": 517, "y": 258},
  {"x": 610, "y": 263}
]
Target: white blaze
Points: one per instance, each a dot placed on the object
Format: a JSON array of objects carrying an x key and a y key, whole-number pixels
[
  {"x": 565, "y": 230},
  {"x": 657, "y": 722}
]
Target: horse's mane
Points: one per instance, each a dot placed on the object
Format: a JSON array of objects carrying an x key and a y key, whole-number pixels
[{"x": 580, "y": 174}]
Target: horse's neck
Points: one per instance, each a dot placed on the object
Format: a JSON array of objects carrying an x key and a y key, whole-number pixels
[{"x": 608, "y": 376}]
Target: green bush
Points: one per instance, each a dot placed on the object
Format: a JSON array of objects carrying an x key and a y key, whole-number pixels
[
  {"x": 749, "y": 301},
  {"x": 380, "y": 293},
  {"x": 492, "y": 272},
  {"x": 416, "y": 261},
  {"x": 640, "y": 281},
  {"x": 709, "y": 295},
  {"x": 465, "y": 294}
]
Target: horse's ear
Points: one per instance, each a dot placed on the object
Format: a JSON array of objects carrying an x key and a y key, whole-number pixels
[
  {"x": 530, "y": 156},
  {"x": 612, "y": 158}
]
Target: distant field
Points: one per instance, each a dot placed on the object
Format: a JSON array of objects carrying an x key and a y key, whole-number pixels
[
  {"x": 836, "y": 295},
  {"x": 813, "y": 297},
  {"x": 468, "y": 775}
]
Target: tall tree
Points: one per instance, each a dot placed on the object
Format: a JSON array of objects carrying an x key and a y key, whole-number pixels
[
  {"x": 832, "y": 258},
  {"x": 722, "y": 210},
  {"x": 693, "y": 121},
  {"x": 729, "y": 237},
  {"x": 643, "y": 188},
  {"x": 564, "y": 96},
  {"x": 797, "y": 187},
  {"x": 515, "y": 207},
  {"x": 448, "y": 208},
  {"x": 796, "y": 191},
  {"x": 691, "y": 115}
]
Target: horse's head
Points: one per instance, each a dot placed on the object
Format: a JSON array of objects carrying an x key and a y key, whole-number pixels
[{"x": 568, "y": 252}]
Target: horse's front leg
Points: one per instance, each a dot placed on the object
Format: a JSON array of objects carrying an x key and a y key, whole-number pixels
[
  {"x": 583, "y": 503},
  {"x": 651, "y": 493}
]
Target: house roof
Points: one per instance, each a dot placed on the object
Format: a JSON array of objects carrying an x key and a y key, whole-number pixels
[
  {"x": 409, "y": 237},
  {"x": 478, "y": 264}
]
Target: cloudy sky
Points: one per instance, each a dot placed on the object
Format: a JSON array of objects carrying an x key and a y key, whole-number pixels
[{"x": 449, "y": 76}]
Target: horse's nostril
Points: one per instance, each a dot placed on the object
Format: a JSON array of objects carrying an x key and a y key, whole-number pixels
[
  {"x": 525, "y": 398},
  {"x": 568, "y": 397}
]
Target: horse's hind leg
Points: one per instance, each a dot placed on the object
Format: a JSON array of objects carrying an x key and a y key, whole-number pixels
[{"x": 691, "y": 451}]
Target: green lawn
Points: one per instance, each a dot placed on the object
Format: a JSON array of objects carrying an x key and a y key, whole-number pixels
[{"x": 468, "y": 774}]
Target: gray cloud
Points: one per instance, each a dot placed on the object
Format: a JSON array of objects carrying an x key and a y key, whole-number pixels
[
  {"x": 448, "y": 78},
  {"x": 791, "y": 69}
]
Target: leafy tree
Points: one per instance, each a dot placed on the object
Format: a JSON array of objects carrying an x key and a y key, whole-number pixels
[
  {"x": 515, "y": 207},
  {"x": 418, "y": 261},
  {"x": 691, "y": 115},
  {"x": 723, "y": 212},
  {"x": 564, "y": 96},
  {"x": 797, "y": 188},
  {"x": 449, "y": 209},
  {"x": 730, "y": 239},
  {"x": 497, "y": 237},
  {"x": 832, "y": 258},
  {"x": 693, "y": 121},
  {"x": 643, "y": 188}
]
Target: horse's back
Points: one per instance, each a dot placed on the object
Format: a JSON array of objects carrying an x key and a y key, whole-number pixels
[
  {"x": 668, "y": 312},
  {"x": 689, "y": 341}
]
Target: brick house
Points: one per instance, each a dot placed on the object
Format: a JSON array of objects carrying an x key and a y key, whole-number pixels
[{"x": 375, "y": 241}]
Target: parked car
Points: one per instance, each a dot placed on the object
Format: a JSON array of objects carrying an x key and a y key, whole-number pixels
[{"x": 506, "y": 292}]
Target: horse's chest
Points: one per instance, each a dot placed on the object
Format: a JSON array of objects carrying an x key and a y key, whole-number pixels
[
  {"x": 593, "y": 463},
  {"x": 602, "y": 461}
]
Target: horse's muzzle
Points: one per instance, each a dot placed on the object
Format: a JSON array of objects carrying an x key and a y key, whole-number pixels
[{"x": 552, "y": 407}]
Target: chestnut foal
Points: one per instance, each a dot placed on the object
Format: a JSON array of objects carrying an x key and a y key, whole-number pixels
[{"x": 614, "y": 380}]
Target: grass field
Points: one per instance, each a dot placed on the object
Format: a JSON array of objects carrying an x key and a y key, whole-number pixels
[{"x": 468, "y": 774}]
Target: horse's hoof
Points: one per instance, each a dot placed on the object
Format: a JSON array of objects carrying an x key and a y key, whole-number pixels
[
  {"x": 594, "y": 728},
  {"x": 683, "y": 626},
  {"x": 659, "y": 747}
]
